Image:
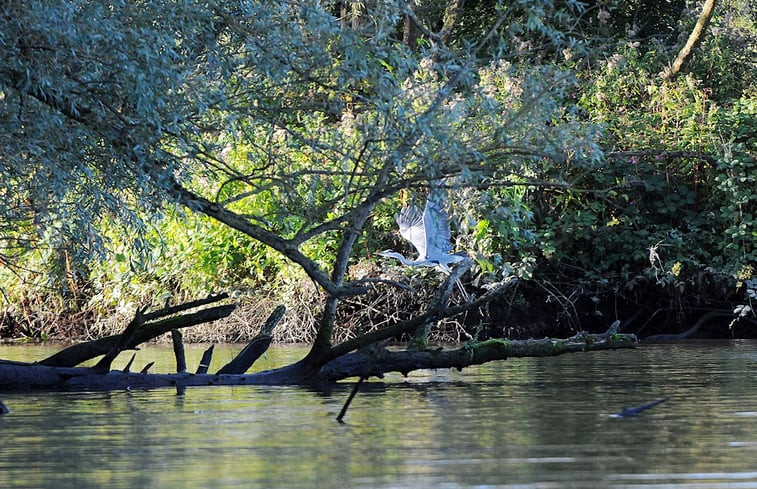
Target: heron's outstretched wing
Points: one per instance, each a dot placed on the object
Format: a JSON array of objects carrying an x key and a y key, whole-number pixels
[
  {"x": 436, "y": 230},
  {"x": 410, "y": 221}
]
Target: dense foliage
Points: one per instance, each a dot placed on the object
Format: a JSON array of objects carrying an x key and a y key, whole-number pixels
[{"x": 569, "y": 162}]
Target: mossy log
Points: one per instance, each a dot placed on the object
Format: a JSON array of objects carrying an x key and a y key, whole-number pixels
[
  {"x": 17, "y": 376},
  {"x": 472, "y": 353}
]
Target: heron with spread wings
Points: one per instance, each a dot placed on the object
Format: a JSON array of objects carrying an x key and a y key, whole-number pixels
[{"x": 429, "y": 233}]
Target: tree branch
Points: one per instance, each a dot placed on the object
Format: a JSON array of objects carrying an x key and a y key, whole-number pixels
[
  {"x": 661, "y": 153},
  {"x": 76, "y": 354},
  {"x": 693, "y": 41},
  {"x": 471, "y": 353},
  {"x": 432, "y": 315},
  {"x": 18, "y": 376},
  {"x": 255, "y": 348}
]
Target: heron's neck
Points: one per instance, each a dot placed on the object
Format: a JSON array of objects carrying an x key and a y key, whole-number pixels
[{"x": 402, "y": 259}]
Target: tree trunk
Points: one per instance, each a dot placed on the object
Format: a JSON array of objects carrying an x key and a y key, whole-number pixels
[
  {"x": 18, "y": 376},
  {"x": 694, "y": 39}
]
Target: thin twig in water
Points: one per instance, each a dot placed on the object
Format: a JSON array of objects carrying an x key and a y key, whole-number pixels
[{"x": 366, "y": 374}]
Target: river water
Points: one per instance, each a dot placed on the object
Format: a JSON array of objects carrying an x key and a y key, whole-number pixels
[{"x": 523, "y": 423}]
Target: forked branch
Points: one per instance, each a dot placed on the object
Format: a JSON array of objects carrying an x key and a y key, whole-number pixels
[{"x": 144, "y": 331}]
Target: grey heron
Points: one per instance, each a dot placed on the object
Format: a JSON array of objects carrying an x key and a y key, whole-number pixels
[{"x": 429, "y": 233}]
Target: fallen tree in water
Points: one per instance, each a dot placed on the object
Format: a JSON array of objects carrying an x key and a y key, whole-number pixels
[
  {"x": 281, "y": 165},
  {"x": 143, "y": 328},
  {"x": 363, "y": 356},
  {"x": 25, "y": 376}
]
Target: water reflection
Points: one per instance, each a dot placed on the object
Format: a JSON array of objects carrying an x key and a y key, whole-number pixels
[{"x": 521, "y": 423}]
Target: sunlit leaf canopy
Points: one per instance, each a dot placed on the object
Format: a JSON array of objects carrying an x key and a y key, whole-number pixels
[{"x": 283, "y": 113}]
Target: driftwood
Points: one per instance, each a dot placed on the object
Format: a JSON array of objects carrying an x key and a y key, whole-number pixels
[
  {"x": 244, "y": 360},
  {"x": 360, "y": 357},
  {"x": 473, "y": 353},
  {"x": 632, "y": 412},
  {"x": 18, "y": 376},
  {"x": 178, "y": 350},
  {"x": 127, "y": 368},
  {"x": 123, "y": 341},
  {"x": 363, "y": 377},
  {"x": 691, "y": 331},
  {"x": 144, "y": 328},
  {"x": 207, "y": 355}
]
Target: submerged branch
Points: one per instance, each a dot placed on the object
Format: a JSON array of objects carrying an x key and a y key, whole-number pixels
[
  {"x": 17, "y": 376},
  {"x": 432, "y": 315},
  {"x": 472, "y": 353},
  {"x": 79, "y": 353},
  {"x": 257, "y": 347}
]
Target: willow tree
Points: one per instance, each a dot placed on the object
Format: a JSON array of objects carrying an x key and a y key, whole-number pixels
[{"x": 279, "y": 119}]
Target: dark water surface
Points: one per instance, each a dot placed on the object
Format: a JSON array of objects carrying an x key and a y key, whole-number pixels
[{"x": 524, "y": 423}]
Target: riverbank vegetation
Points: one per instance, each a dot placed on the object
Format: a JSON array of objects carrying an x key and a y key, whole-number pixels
[{"x": 157, "y": 153}]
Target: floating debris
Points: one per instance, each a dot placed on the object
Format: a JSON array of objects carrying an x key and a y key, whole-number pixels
[{"x": 631, "y": 412}]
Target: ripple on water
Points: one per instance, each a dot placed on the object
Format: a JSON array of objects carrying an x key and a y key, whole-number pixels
[
  {"x": 523, "y": 423},
  {"x": 693, "y": 480}
]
